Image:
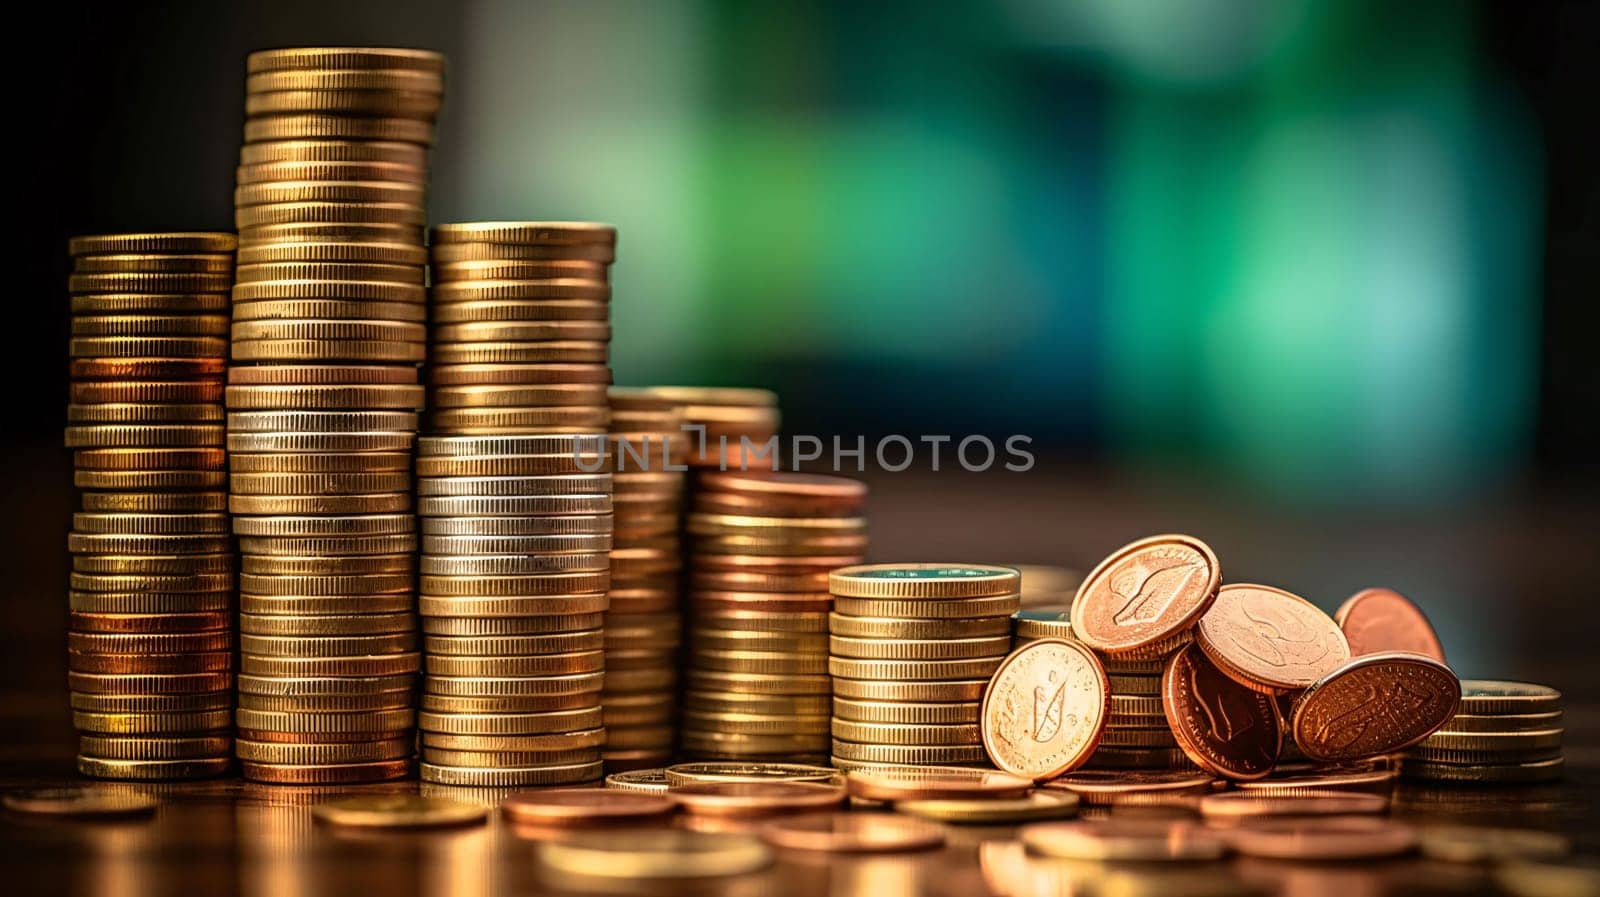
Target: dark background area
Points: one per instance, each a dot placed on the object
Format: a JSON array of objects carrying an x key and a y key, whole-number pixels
[{"x": 130, "y": 120}]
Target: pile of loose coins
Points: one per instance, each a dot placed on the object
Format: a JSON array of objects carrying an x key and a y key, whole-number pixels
[
  {"x": 515, "y": 567},
  {"x": 149, "y": 644},
  {"x": 757, "y": 681},
  {"x": 328, "y": 330},
  {"x": 911, "y": 651},
  {"x": 643, "y": 623},
  {"x": 521, "y": 335}
]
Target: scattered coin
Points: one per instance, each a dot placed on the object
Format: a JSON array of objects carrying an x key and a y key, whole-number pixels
[
  {"x": 584, "y": 806},
  {"x": 736, "y": 771},
  {"x": 666, "y": 853},
  {"x": 398, "y": 811},
  {"x": 1333, "y": 838},
  {"x": 1135, "y": 786},
  {"x": 643, "y": 781},
  {"x": 1233, "y": 805},
  {"x": 1546, "y": 879},
  {"x": 1034, "y": 807},
  {"x": 853, "y": 833},
  {"x": 934, "y": 783},
  {"x": 747, "y": 799},
  {"x": 1476, "y": 844},
  {"x": 1124, "y": 840},
  {"x": 78, "y": 801}
]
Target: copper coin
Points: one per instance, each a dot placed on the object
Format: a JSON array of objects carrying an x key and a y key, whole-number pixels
[
  {"x": 80, "y": 802},
  {"x": 1335, "y": 838},
  {"x": 584, "y": 806},
  {"x": 1369, "y": 781},
  {"x": 1221, "y": 725},
  {"x": 398, "y": 811},
  {"x": 1375, "y": 704},
  {"x": 853, "y": 833},
  {"x": 1269, "y": 639},
  {"x": 1145, "y": 592},
  {"x": 1124, "y": 840},
  {"x": 744, "y": 799},
  {"x": 1107, "y": 787},
  {"x": 893, "y": 783},
  {"x": 1045, "y": 709},
  {"x": 1245, "y": 805},
  {"x": 1376, "y": 620}
]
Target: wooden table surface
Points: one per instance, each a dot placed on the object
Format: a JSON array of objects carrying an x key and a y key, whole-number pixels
[{"x": 1509, "y": 581}]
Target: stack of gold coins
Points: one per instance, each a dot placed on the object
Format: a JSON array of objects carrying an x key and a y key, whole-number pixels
[
  {"x": 515, "y": 567},
  {"x": 329, "y": 327},
  {"x": 912, "y": 648},
  {"x": 727, "y": 428},
  {"x": 521, "y": 334},
  {"x": 150, "y": 651},
  {"x": 643, "y": 628},
  {"x": 757, "y": 673},
  {"x": 1506, "y": 732},
  {"x": 1032, "y": 624}
]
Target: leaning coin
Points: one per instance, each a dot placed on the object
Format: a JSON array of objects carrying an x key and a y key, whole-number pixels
[
  {"x": 1334, "y": 838},
  {"x": 398, "y": 811},
  {"x": 1045, "y": 709},
  {"x": 1349, "y": 713},
  {"x": 1376, "y": 620},
  {"x": 86, "y": 802},
  {"x": 749, "y": 799},
  {"x": 584, "y": 806},
  {"x": 1224, "y": 727},
  {"x": 1124, "y": 840},
  {"x": 1269, "y": 639},
  {"x": 1145, "y": 593},
  {"x": 1035, "y": 807},
  {"x": 853, "y": 833},
  {"x": 667, "y": 853}
]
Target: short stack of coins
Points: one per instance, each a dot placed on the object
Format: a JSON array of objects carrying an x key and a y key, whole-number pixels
[
  {"x": 911, "y": 650},
  {"x": 643, "y": 623},
  {"x": 329, "y": 327},
  {"x": 1505, "y": 732},
  {"x": 757, "y": 685},
  {"x": 521, "y": 334},
  {"x": 514, "y": 572},
  {"x": 150, "y": 648}
]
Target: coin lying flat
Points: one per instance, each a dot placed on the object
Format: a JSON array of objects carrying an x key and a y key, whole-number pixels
[
  {"x": 853, "y": 833},
  {"x": 1145, "y": 593},
  {"x": 1333, "y": 838},
  {"x": 79, "y": 801},
  {"x": 1135, "y": 786},
  {"x": 748, "y": 799},
  {"x": 1376, "y": 620},
  {"x": 730, "y": 771},
  {"x": 1233, "y": 805},
  {"x": 584, "y": 806},
  {"x": 1045, "y": 709},
  {"x": 668, "y": 853},
  {"x": 1034, "y": 807},
  {"x": 1124, "y": 840},
  {"x": 934, "y": 783},
  {"x": 1545, "y": 879},
  {"x": 643, "y": 781},
  {"x": 1375, "y": 704},
  {"x": 398, "y": 811},
  {"x": 1476, "y": 844}
]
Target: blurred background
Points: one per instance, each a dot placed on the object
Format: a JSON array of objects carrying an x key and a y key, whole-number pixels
[{"x": 1312, "y": 279}]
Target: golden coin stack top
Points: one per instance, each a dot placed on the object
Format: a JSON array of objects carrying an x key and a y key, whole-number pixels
[
  {"x": 757, "y": 675},
  {"x": 328, "y": 329},
  {"x": 912, "y": 648},
  {"x": 515, "y": 568},
  {"x": 150, "y": 650},
  {"x": 643, "y": 626},
  {"x": 521, "y": 333},
  {"x": 1504, "y": 732},
  {"x": 721, "y": 421}
]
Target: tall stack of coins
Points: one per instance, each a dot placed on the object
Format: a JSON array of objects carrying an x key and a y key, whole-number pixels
[
  {"x": 515, "y": 560},
  {"x": 150, "y": 651},
  {"x": 521, "y": 334},
  {"x": 1505, "y": 732},
  {"x": 757, "y": 675},
  {"x": 911, "y": 651},
  {"x": 323, "y": 397},
  {"x": 643, "y": 628}
]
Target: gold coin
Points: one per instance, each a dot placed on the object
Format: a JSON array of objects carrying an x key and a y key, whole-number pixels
[
  {"x": 529, "y": 310},
  {"x": 314, "y": 565},
  {"x": 1521, "y": 771},
  {"x": 952, "y": 608},
  {"x": 300, "y": 667},
  {"x": 361, "y": 722},
  {"x": 375, "y": 503},
  {"x": 145, "y": 436},
  {"x": 274, "y": 443},
  {"x": 507, "y": 626},
  {"x": 111, "y": 582},
  {"x": 911, "y": 734},
  {"x": 355, "y": 58},
  {"x": 510, "y": 759},
  {"x": 1124, "y": 840},
  {"x": 327, "y": 646},
  {"x": 454, "y": 253},
  {"x": 573, "y": 484},
  {"x": 530, "y": 233},
  {"x": 149, "y": 479},
  {"x": 1035, "y": 807},
  {"x": 154, "y": 263},
  {"x": 283, "y": 752},
  {"x": 345, "y": 79},
  {"x": 150, "y": 283},
  {"x": 325, "y": 686},
  {"x": 148, "y": 642},
  {"x": 148, "y": 603},
  {"x": 316, "y": 398},
  {"x": 180, "y": 704},
  {"x": 77, "y": 801},
  {"x": 1481, "y": 696},
  {"x": 156, "y": 303},
  {"x": 918, "y": 649},
  {"x": 398, "y": 811},
  {"x": 415, "y": 104},
  {"x": 545, "y": 665},
  {"x": 903, "y": 670},
  {"x": 664, "y": 854},
  {"x": 510, "y": 607},
  {"x": 136, "y": 391},
  {"x": 511, "y": 645},
  {"x": 966, "y": 712},
  {"x": 1473, "y": 844},
  {"x": 150, "y": 325},
  {"x": 313, "y": 463},
  {"x": 124, "y": 747},
  {"x": 118, "y": 723},
  {"x": 153, "y": 503},
  {"x": 327, "y": 546},
  {"x": 753, "y": 724},
  {"x": 174, "y": 242},
  {"x": 325, "y": 774},
  {"x": 1505, "y": 722},
  {"x": 890, "y": 581},
  {"x": 888, "y": 628},
  {"x": 339, "y": 703},
  {"x": 319, "y": 484},
  {"x": 909, "y": 754},
  {"x": 139, "y": 366},
  {"x": 363, "y": 525},
  {"x": 1532, "y": 740},
  {"x": 507, "y": 420},
  {"x": 149, "y": 770},
  {"x": 318, "y": 349},
  {"x": 541, "y": 723},
  {"x": 502, "y": 353},
  {"x": 114, "y": 522},
  {"x": 920, "y": 691},
  {"x": 1527, "y": 878},
  {"x": 761, "y": 662},
  {"x": 479, "y": 704},
  {"x": 568, "y": 774}
]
